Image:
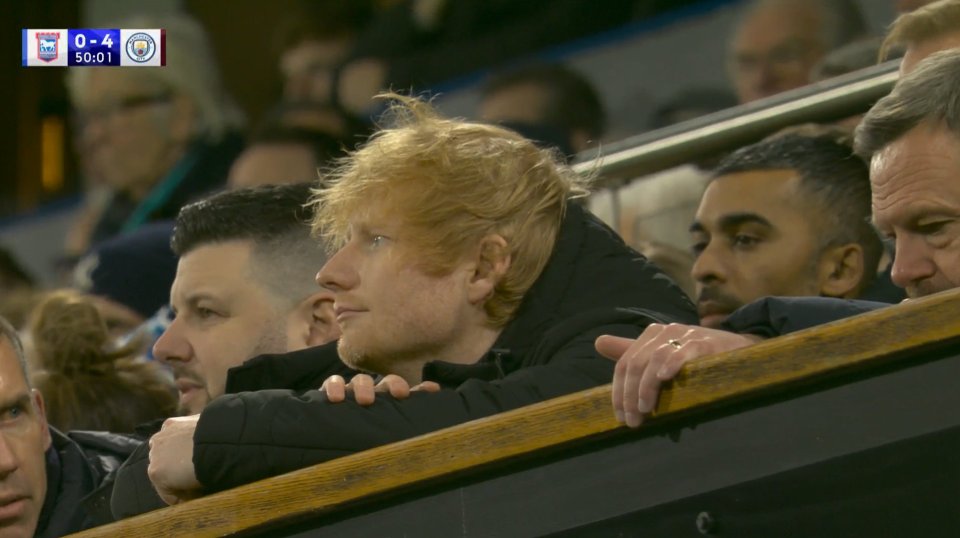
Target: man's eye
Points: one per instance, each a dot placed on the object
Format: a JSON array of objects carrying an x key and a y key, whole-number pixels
[
  {"x": 378, "y": 240},
  {"x": 11, "y": 413},
  {"x": 698, "y": 248},
  {"x": 932, "y": 228},
  {"x": 204, "y": 313},
  {"x": 741, "y": 240}
]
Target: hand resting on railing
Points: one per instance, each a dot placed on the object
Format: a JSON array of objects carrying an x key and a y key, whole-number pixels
[{"x": 365, "y": 391}]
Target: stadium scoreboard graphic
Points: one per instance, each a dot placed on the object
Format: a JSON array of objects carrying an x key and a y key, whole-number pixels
[{"x": 93, "y": 47}]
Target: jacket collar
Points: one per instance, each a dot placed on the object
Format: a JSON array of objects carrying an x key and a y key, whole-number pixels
[
  {"x": 298, "y": 370},
  {"x": 70, "y": 478},
  {"x": 541, "y": 304}
]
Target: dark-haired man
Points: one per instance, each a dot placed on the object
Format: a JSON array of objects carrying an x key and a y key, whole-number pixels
[
  {"x": 912, "y": 139},
  {"x": 244, "y": 287},
  {"x": 788, "y": 217},
  {"x": 266, "y": 302}
]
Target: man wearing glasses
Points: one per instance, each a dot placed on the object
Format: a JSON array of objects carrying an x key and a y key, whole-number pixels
[{"x": 154, "y": 138}]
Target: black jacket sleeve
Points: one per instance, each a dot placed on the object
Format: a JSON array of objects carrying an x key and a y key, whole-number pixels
[
  {"x": 297, "y": 370},
  {"x": 133, "y": 493},
  {"x": 775, "y": 316},
  {"x": 245, "y": 437}
]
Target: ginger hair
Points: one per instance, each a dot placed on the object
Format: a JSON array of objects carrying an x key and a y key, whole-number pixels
[{"x": 450, "y": 183}]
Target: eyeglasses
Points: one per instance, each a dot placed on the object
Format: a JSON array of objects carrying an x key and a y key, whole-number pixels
[{"x": 113, "y": 110}]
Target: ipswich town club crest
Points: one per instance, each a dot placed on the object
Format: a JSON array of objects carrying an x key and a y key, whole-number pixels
[
  {"x": 141, "y": 47},
  {"x": 48, "y": 46}
]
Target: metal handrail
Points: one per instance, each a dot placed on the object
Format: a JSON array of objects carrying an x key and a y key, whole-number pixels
[{"x": 830, "y": 100}]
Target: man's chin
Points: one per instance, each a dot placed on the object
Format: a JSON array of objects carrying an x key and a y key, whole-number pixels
[
  {"x": 352, "y": 357},
  {"x": 192, "y": 402},
  {"x": 366, "y": 358}
]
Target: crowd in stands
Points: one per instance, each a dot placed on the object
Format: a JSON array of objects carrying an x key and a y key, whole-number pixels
[{"x": 358, "y": 269}]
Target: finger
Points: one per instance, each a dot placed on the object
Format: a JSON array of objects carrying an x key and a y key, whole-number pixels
[
  {"x": 666, "y": 358},
  {"x": 395, "y": 385},
  {"x": 167, "y": 497},
  {"x": 648, "y": 387},
  {"x": 613, "y": 347},
  {"x": 690, "y": 350},
  {"x": 336, "y": 388},
  {"x": 363, "y": 389},
  {"x": 668, "y": 370},
  {"x": 616, "y": 389},
  {"x": 627, "y": 375},
  {"x": 640, "y": 397},
  {"x": 426, "y": 386},
  {"x": 177, "y": 496}
]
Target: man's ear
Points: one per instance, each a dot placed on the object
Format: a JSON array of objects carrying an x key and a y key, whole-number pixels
[
  {"x": 841, "y": 271},
  {"x": 491, "y": 263},
  {"x": 313, "y": 322},
  {"x": 323, "y": 320},
  {"x": 41, "y": 417}
]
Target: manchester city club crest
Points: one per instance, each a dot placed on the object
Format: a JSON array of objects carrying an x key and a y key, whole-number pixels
[
  {"x": 48, "y": 46},
  {"x": 141, "y": 47}
]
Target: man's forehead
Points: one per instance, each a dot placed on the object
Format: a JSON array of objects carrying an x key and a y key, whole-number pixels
[
  {"x": 766, "y": 193},
  {"x": 775, "y": 23},
  {"x": 922, "y": 164},
  {"x": 213, "y": 266},
  {"x": 383, "y": 213},
  {"x": 13, "y": 384},
  {"x": 753, "y": 186}
]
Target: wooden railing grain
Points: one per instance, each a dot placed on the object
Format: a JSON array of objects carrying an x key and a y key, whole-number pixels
[{"x": 899, "y": 333}]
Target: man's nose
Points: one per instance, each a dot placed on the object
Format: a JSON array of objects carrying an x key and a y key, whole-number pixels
[
  {"x": 8, "y": 458},
  {"x": 708, "y": 266},
  {"x": 912, "y": 261},
  {"x": 172, "y": 346},
  {"x": 339, "y": 273}
]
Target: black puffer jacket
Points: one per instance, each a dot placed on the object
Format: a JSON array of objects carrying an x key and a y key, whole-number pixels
[
  {"x": 775, "y": 316},
  {"x": 592, "y": 285},
  {"x": 77, "y": 466}
]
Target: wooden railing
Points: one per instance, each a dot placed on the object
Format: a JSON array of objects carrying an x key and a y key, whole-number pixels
[{"x": 896, "y": 337}]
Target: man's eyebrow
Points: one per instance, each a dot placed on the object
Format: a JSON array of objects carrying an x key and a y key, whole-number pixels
[
  {"x": 195, "y": 298},
  {"x": 916, "y": 214},
  {"x": 19, "y": 400},
  {"x": 191, "y": 301},
  {"x": 734, "y": 220},
  {"x": 696, "y": 227}
]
